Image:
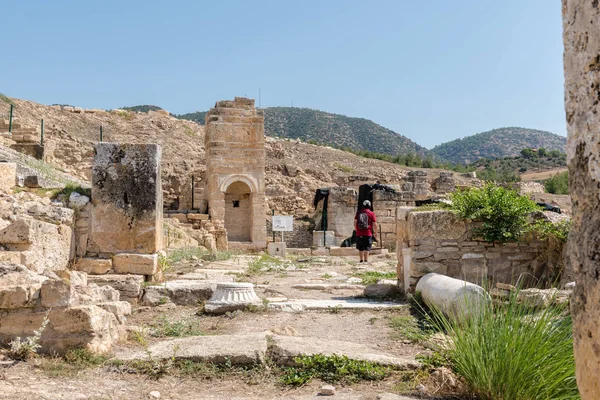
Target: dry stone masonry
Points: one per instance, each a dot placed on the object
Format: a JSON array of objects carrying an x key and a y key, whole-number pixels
[
  {"x": 235, "y": 170},
  {"x": 581, "y": 24},
  {"x": 438, "y": 241}
]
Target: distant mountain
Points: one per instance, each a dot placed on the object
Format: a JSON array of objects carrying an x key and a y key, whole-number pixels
[
  {"x": 330, "y": 129},
  {"x": 498, "y": 143},
  {"x": 144, "y": 108}
]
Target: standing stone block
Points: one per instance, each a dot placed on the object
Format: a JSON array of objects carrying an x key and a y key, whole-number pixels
[
  {"x": 8, "y": 176},
  {"x": 127, "y": 198},
  {"x": 138, "y": 264},
  {"x": 581, "y": 24}
]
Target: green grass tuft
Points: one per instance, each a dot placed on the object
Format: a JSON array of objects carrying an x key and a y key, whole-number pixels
[
  {"x": 370, "y": 277},
  {"x": 506, "y": 352},
  {"x": 333, "y": 369}
]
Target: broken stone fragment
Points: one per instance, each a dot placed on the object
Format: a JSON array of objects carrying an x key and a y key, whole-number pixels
[{"x": 93, "y": 266}]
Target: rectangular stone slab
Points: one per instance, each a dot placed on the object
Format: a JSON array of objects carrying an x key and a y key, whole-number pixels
[
  {"x": 127, "y": 198},
  {"x": 246, "y": 349},
  {"x": 139, "y": 264}
]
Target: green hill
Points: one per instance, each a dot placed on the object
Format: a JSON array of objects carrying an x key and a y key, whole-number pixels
[
  {"x": 509, "y": 168},
  {"x": 330, "y": 129},
  {"x": 498, "y": 143},
  {"x": 144, "y": 108}
]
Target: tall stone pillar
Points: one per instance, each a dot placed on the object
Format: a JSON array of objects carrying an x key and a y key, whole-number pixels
[
  {"x": 235, "y": 170},
  {"x": 126, "y": 198},
  {"x": 581, "y": 24}
]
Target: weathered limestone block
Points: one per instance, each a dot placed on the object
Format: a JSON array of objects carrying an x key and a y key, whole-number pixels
[
  {"x": 440, "y": 224},
  {"x": 43, "y": 246},
  {"x": 57, "y": 293},
  {"x": 129, "y": 286},
  {"x": 80, "y": 326},
  {"x": 93, "y": 266},
  {"x": 581, "y": 24},
  {"x": 127, "y": 198},
  {"x": 8, "y": 176},
  {"x": 19, "y": 287},
  {"x": 120, "y": 309},
  {"x": 95, "y": 294},
  {"x": 138, "y": 264}
]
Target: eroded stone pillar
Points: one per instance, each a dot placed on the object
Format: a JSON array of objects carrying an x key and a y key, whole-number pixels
[
  {"x": 127, "y": 198},
  {"x": 581, "y": 24},
  {"x": 235, "y": 170}
]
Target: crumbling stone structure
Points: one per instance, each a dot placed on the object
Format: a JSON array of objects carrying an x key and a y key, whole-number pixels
[
  {"x": 235, "y": 170},
  {"x": 438, "y": 241},
  {"x": 581, "y": 24},
  {"x": 126, "y": 226},
  {"x": 79, "y": 314}
]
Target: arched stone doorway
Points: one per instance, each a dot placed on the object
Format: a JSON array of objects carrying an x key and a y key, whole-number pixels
[{"x": 238, "y": 212}]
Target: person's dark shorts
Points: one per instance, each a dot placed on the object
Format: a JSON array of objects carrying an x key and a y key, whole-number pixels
[{"x": 364, "y": 243}]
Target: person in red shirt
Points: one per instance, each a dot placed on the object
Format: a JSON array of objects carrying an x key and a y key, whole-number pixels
[{"x": 365, "y": 224}]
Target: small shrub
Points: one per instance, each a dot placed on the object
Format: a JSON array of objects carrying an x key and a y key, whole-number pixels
[
  {"x": 558, "y": 184},
  {"x": 370, "y": 277},
  {"x": 185, "y": 253},
  {"x": 266, "y": 263},
  {"x": 332, "y": 369},
  {"x": 502, "y": 212},
  {"x": 545, "y": 229},
  {"x": 344, "y": 168},
  {"x": 505, "y": 352},
  {"x": 24, "y": 349},
  {"x": 408, "y": 327},
  {"x": 70, "y": 188},
  {"x": 165, "y": 328}
]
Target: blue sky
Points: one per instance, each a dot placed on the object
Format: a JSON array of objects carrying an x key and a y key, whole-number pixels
[{"x": 433, "y": 70}]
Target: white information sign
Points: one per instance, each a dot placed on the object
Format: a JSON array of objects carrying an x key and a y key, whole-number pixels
[{"x": 283, "y": 223}]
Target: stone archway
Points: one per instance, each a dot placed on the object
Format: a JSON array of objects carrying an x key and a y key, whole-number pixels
[{"x": 238, "y": 212}]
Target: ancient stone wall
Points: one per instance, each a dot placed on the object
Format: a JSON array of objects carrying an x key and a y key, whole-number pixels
[
  {"x": 80, "y": 315},
  {"x": 438, "y": 241},
  {"x": 126, "y": 198},
  {"x": 581, "y": 24},
  {"x": 235, "y": 169}
]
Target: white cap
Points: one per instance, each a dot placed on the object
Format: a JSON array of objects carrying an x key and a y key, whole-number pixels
[{"x": 367, "y": 203}]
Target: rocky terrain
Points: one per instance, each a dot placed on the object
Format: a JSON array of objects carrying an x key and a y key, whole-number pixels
[{"x": 294, "y": 169}]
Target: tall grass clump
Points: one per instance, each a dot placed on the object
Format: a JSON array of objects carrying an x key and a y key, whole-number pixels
[{"x": 511, "y": 351}]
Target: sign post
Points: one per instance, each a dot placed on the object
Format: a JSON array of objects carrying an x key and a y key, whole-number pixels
[{"x": 283, "y": 223}]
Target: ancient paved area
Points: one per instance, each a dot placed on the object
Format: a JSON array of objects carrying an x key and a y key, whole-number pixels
[{"x": 241, "y": 337}]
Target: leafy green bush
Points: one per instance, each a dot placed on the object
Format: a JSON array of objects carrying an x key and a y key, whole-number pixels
[
  {"x": 558, "y": 184},
  {"x": 332, "y": 369},
  {"x": 502, "y": 212},
  {"x": 545, "y": 229},
  {"x": 508, "y": 353}
]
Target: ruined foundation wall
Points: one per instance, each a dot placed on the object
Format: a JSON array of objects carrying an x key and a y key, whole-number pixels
[
  {"x": 581, "y": 24},
  {"x": 438, "y": 241}
]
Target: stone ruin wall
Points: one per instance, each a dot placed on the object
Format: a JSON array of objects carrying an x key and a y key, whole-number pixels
[
  {"x": 35, "y": 284},
  {"x": 581, "y": 34},
  {"x": 438, "y": 241}
]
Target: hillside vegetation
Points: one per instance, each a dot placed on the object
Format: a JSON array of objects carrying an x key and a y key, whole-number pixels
[
  {"x": 143, "y": 108},
  {"x": 498, "y": 143},
  {"x": 334, "y": 130},
  {"x": 508, "y": 169}
]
